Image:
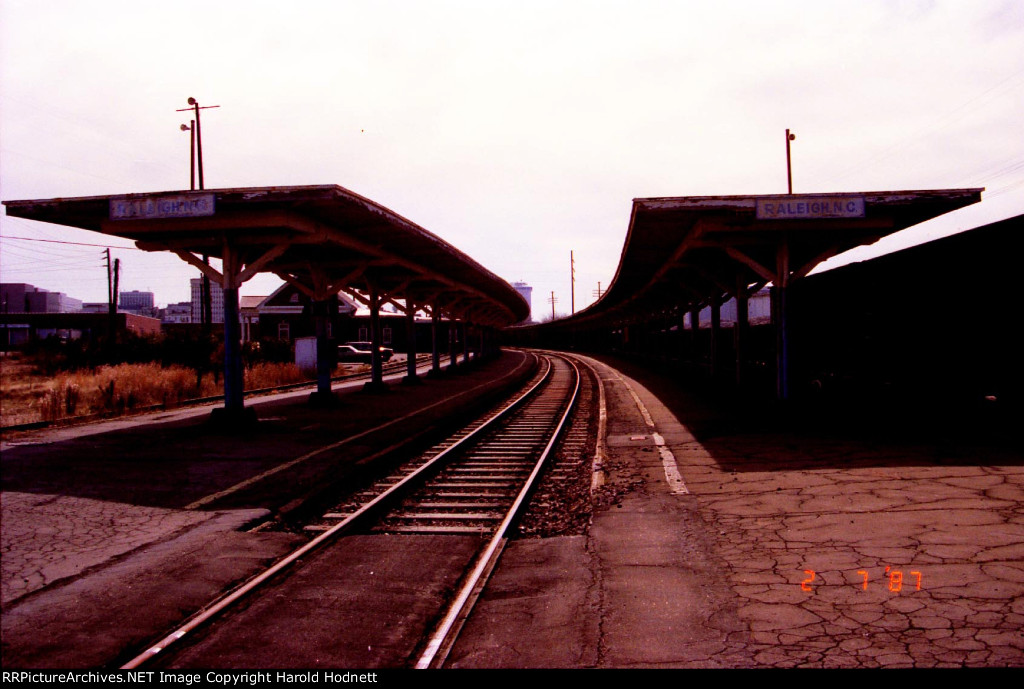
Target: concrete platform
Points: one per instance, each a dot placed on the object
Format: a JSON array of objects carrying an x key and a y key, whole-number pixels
[
  {"x": 721, "y": 575},
  {"x": 112, "y": 532},
  {"x": 718, "y": 540}
]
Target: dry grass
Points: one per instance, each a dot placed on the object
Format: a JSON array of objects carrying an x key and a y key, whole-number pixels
[
  {"x": 119, "y": 389},
  {"x": 20, "y": 388},
  {"x": 265, "y": 375},
  {"x": 110, "y": 390}
]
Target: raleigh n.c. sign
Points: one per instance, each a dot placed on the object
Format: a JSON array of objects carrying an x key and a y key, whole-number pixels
[
  {"x": 166, "y": 206},
  {"x": 809, "y": 207}
]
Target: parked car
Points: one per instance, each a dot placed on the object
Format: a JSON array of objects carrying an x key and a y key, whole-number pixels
[
  {"x": 365, "y": 348},
  {"x": 347, "y": 354}
]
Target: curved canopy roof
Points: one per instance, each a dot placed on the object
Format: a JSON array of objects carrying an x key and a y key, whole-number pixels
[
  {"x": 320, "y": 238},
  {"x": 681, "y": 252}
]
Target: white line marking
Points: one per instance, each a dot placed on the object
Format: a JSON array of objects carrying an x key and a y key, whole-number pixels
[{"x": 668, "y": 460}]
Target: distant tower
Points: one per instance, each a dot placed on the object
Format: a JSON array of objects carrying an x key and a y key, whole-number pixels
[{"x": 526, "y": 291}]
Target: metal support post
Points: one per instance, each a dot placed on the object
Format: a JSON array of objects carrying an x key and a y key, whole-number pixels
[
  {"x": 325, "y": 357},
  {"x": 694, "y": 335},
  {"x": 779, "y": 313},
  {"x": 376, "y": 366},
  {"x": 435, "y": 352},
  {"x": 452, "y": 336},
  {"x": 233, "y": 375},
  {"x": 740, "y": 331},
  {"x": 716, "y": 333},
  {"x": 410, "y": 339}
]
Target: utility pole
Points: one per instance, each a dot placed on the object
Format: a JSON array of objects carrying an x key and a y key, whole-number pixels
[
  {"x": 572, "y": 280},
  {"x": 789, "y": 164},
  {"x": 552, "y": 301},
  {"x": 597, "y": 293},
  {"x": 112, "y": 281},
  {"x": 117, "y": 275},
  {"x": 110, "y": 293},
  {"x": 197, "y": 136}
]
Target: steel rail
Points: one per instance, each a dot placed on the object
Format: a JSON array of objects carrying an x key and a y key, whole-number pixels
[
  {"x": 489, "y": 557},
  {"x": 345, "y": 525}
]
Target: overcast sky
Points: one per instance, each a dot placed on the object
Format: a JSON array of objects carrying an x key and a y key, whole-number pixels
[{"x": 516, "y": 131}]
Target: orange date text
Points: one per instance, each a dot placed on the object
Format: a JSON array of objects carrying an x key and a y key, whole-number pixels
[{"x": 893, "y": 579}]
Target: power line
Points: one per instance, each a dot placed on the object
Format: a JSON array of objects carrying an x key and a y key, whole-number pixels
[{"x": 61, "y": 241}]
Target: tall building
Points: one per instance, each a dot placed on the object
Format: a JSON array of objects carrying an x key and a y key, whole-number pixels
[
  {"x": 136, "y": 302},
  {"x": 18, "y": 297},
  {"x": 527, "y": 293},
  {"x": 216, "y": 301}
]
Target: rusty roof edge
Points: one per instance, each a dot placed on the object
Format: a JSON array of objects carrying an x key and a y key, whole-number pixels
[
  {"x": 507, "y": 301},
  {"x": 749, "y": 201},
  {"x": 744, "y": 202}
]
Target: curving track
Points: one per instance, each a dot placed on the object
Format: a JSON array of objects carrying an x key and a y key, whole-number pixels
[{"x": 457, "y": 502}]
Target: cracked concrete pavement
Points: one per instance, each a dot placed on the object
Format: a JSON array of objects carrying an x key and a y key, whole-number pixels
[
  {"x": 793, "y": 548},
  {"x": 45, "y": 538}
]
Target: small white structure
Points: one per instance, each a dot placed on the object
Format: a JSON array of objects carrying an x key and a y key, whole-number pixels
[{"x": 305, "y": 355}]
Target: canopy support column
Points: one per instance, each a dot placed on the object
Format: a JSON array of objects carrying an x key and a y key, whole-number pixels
[
  {"x": 325, "y": 357},
  {"x": 779, "y": 313},
  {"x": 376, "y": 383},
  {"x": 452, "y": 336},
  {"x": 435, "y": 352},
  {"x": 716, "y": 334},
  {"x": 695, "y": 337},
  {"x": 234, "y": 410},
  {"x": 410, "y": 340},
  {"x": 739, "y": 332}
]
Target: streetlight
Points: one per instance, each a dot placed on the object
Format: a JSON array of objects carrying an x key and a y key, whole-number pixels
[
  {"x": 192, "y": 156},
  {"x": 789, "y": 167},
  {"x": 197, "y": 140},
  {"x": 198, "y": 133}
]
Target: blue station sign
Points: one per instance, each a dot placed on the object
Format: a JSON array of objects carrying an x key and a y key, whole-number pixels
[
  {"x": 810, "y": 207},
  {"x": 169, "y": 206}
]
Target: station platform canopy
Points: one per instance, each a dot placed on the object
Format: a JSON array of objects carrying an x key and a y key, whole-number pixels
[
  {"x": 319, "y": 238},
  {"x": 682, "y": 253}
]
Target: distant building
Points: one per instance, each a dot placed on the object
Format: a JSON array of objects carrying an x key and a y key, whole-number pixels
[
  {"x": 287, "y": 314},
  {"x": 177, "y": 313},
  {"x": 137, "y": 302},
  {"x": 18, "y": 329},
  {"x": 248, "y": 308},
  {"x": 216, "y": 301},
  {"x": 527, "y": 293},
  {"x": 19, "y": 297}
]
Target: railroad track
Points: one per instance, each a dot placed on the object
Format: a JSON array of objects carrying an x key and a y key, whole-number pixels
[
  {"x": 475, "y": 483},
  {"x": 467, "y": 483}
]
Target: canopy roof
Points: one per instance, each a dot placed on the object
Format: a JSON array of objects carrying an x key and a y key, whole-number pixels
[
  {"x": 681, "y": 252},
  {"x": 319, "y": 238}
]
